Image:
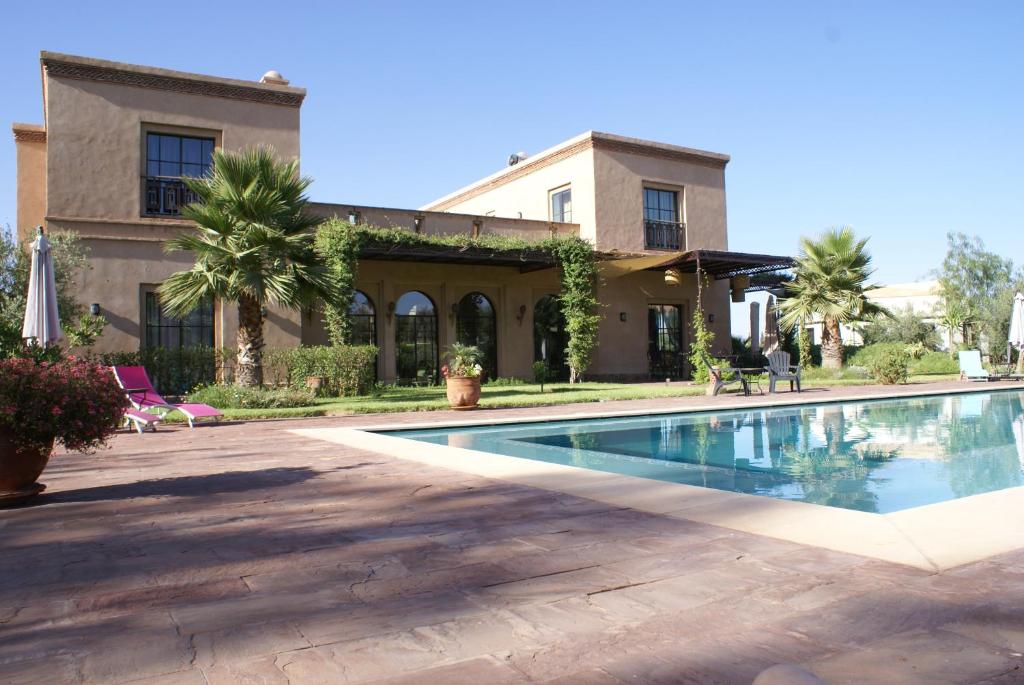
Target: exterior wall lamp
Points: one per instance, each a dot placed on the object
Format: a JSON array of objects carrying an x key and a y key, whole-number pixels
[
  {"x": 623, "y": 316},
  {"x": 94, "y": 309},
  {"x": 391, "y": 311},
  {"x": 711, "y": 318},
  {"x": 454, "y": 311},
  {"x": 417, "y": 223},
  {"x": 521, "y": 314}
]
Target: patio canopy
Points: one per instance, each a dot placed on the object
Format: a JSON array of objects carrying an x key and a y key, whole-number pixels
[
  {"x": 525, "y": 260},
  {"x": 718, "y": 264}
]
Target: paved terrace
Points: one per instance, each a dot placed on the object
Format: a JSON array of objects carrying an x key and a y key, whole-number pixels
[{"x": 245, "y": 554}]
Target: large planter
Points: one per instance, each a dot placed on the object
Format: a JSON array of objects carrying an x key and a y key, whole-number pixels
[
  {"x": 463, "y": 391},
  {"x": 20, "y": 466}
]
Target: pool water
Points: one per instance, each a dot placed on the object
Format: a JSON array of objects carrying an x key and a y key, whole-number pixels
[{"x": 875, "y": 456}]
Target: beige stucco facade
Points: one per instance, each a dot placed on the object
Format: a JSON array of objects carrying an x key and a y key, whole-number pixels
[
  {"x": 607, "y": 175},
  {"x": 85, "y": 171}
]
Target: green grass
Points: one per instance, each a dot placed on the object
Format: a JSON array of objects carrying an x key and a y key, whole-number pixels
[{"x": 403, "y": 399}]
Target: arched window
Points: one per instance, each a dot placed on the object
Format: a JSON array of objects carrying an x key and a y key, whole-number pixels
[
  {"x": 475, "y": 324},
  {"x": 363, "y": 317},
  {"x": 416, "y": 338},
  {"x": 549, "y": 337}
]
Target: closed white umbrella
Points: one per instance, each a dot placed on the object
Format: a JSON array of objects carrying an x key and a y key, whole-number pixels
[
  {"x": 42, "y": 320},
  {"x": 1017, "y": 329}
]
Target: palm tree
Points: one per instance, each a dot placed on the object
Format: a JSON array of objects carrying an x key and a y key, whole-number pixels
[
  {"x": 253, "y": 245},
  {"x": 953, "y": 315},
  {"x": 831, "y": 284}
]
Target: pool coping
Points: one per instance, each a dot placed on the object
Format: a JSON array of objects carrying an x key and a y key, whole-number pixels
[{"x": 933, "y": 537}]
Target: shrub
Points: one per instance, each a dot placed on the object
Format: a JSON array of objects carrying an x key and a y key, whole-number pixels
[
  {"x": 238, "y": 397},
  {"x": 506, "y": 381},
  {"x": 935, "y": 363},
  {"x": 867, "y": 355},
  {"x": 76, "y": 402},
  {"x": 904, "y": 326},
  {"x": 343, "y": 370},
  {"x": 463, "y": 361},
  {"x": 541, "y": 373},
  {"x": 174, "y": 371},
  {"x": 891, "y": 366}
]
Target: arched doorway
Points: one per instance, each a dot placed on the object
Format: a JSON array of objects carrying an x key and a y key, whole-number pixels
[
  {"x": 475, "y": 324},
  {"x": 416, "y": 339},
  {"x": 549, "y": 337},
  {"x": 363, "y": 317}
]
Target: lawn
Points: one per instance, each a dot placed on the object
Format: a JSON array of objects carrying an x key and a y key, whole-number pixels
[{"x": 402, "y": 399}]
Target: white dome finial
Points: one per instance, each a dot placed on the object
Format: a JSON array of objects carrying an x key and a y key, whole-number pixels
[{"x": 274, "y": 77}]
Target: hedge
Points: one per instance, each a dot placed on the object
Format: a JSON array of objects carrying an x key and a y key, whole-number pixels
[
  {"x": 343, "y": 370},
  {"x": 175, "y": 371}
]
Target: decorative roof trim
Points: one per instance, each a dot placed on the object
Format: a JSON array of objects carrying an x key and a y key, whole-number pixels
[
  {"x": 715, "y": 162},
  {"x": 84, "y": 69},
  {"x": 518, "y": 171},
  {"x": 590, "y": 140},
  {"x": 28, "y": 133}
]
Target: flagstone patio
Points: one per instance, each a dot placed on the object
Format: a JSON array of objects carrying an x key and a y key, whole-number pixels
[{"x": 243, "y": 553}]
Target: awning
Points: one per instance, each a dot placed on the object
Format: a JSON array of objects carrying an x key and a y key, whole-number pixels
[{"x": 718, "y": 264}]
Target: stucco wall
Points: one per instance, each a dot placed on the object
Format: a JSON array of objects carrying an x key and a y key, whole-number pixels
[
  {"x": 95, "y": 139},
  {"x": 445, "y": 223},
  {"x": 622, "y": 346},
  {"x": 620, "y": 178},
  {"x": 529, "y": 195},
  {"x": 508, "y": 289},
  {"x": 31, "y": 191},
  {"x": 119, "y": 272},
  {"x": 94, "y": 169}
]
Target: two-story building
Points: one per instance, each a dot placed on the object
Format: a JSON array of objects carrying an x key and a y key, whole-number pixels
[{"x": 107, "y": 164}]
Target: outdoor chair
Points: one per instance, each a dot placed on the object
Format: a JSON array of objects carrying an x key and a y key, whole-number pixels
[
  {"x": 718, "y": 376},
  {"x": 144, "y": 397},
  {"x": 140, "y": 420},
  {"x": 779, "y": 369},
  {"x": 971, "y": 368}
]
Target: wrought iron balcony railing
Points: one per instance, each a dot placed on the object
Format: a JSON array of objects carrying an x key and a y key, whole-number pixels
[
  {"x": 664, "y": 235},
  {"x": 165, "y": 196}
]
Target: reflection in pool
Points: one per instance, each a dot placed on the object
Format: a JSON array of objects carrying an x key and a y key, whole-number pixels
[{"x": 876, "y": 456}]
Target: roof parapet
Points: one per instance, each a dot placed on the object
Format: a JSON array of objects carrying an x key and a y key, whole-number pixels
[{"x": 58, "y": 65}]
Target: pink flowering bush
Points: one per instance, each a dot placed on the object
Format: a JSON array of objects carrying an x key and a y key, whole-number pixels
[{"x": 76, "y": 402}]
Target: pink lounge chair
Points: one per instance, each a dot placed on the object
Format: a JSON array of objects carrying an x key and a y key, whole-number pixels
[
  {"x": 140, "y": 420},
  {"x": 144, "y": 397}
]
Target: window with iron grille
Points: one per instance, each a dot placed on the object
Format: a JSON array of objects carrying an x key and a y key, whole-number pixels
[
  {"x": 660, "y": 205},
  {"x": 169, "y": 158},
  {"x": 561, "y": 206},
  {"x": 663, "y": 229},
  {"x": 192, "y": 330}
]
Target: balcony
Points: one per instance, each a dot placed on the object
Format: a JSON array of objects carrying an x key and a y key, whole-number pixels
[
  {"x": 664, "y": 235},
  {"x": 165, "y": 196}
]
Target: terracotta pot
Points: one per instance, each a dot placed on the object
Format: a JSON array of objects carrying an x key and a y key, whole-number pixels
[
  {"x": 463, "y": 391},
  {"x": 20, "y": 466}
]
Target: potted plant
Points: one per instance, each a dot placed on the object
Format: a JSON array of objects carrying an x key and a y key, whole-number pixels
[
  {"x": 462, "y": 376},
  {"x": 74, "y": 402}
]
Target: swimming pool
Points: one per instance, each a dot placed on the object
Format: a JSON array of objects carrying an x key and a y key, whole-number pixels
[{"x": 877, "y": 456}]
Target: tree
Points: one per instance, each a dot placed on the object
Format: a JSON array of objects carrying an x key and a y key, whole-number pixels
[
  {"x": 905, "y": 326},
  {"x": 978, "y": 287},
  {"x": 69, "y": 259},
  {"x": 952, "y": 315},
  {"x": 253, "y": 245},
  {"x": 830, "y": 284}
]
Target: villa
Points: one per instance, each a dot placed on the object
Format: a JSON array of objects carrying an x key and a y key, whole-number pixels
[{"x": 117, "y": 139}]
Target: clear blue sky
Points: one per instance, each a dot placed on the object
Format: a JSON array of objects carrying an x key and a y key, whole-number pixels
[{"x": 902, "y": 119}]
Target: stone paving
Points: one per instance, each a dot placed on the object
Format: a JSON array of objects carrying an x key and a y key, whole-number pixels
[{"x": 240, "y": 553}]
